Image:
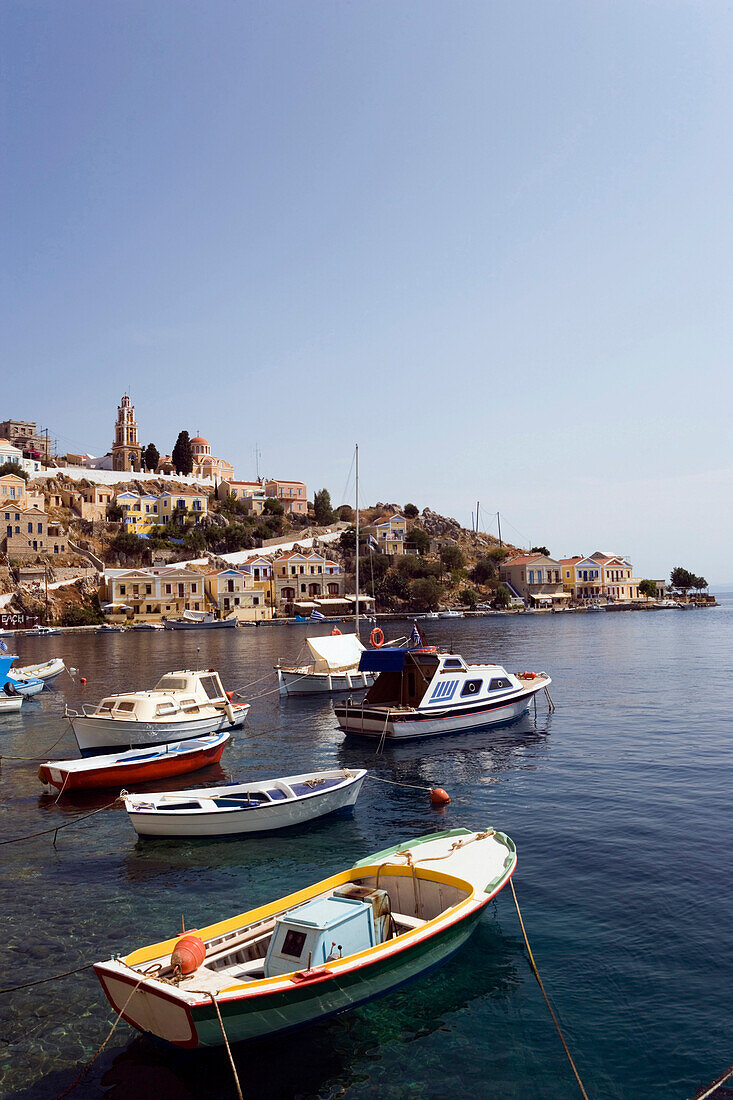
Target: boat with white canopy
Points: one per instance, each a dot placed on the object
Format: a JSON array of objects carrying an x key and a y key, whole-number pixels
[{"x": 333, "y": 666}]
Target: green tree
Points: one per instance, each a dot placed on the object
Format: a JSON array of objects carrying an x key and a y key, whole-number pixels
[
  {"x": 127, "y": 545},
  {"x": 410, "y": 511},
  {"x": 469, "y": 598},
  {"x": 194, "y": 539},
  {"x": 420, "y": 540},
  {"x": 648, "y": 588},
  {"x": 425, "y": 593},
  {"x": 682, "y": 578},
  {"x": 114, "y": 512},
  {"x": 273, "y": 507},
  {"x": 76, "y": 615},
  {"x": 540, "y": 550},
  {"x": 497, "y": 553},
  {"x": 451, "y": 556},
  {"x": 700, "y": 583},
  {"x": 322, "y": 510},
  {"x": 503, "y": 596},
  {"x": 182, "y": 454},
  {"x": 484, "y": 570},
  {"x": 151, "y": 457},
  {"x": 13, "y": 468}
]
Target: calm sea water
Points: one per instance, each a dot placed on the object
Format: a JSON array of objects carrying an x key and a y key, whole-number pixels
[{"x": 619, "y": 804}]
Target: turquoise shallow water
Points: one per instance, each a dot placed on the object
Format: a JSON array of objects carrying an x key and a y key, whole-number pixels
[{"x": 619, "y": 804}]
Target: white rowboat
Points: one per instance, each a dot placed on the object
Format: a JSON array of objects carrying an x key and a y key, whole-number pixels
[{"x": 239, "y": 808}]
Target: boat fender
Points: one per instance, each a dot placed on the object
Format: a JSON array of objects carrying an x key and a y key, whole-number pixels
[
  {"x": 229, "y": 711},
  {"x": 82, "y": 680},
  {"x": 188, "y": 954},
  {"x": 439, "y": 797},
  {"x": 377, "y": 637},
  {"x": 9, "y": 689},
  {"x": 335, "y": 631}
]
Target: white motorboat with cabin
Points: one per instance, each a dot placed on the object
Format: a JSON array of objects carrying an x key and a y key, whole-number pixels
[
  {"x": 182, "y": 704},
  {"x": 333, "y": 667},
  {"x": 422, "y": 692},
  {"x": 244, "y": 808},
  {"x": 200, "y": 620}
]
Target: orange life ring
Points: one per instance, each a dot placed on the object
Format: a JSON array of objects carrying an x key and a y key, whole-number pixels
[
  {"x": 529, "y": 675},
  {"x": 377, "y": 637},
  {"x": 335, "y": 631}
]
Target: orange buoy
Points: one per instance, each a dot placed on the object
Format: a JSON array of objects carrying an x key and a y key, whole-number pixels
[
  {"x": 439, "y": 797},
  {"x": 377, "y": 637},
  {"x": 82, "y": 679},
  {"x": 335, "y": 631},
  {"x": 188, "y": 954}
]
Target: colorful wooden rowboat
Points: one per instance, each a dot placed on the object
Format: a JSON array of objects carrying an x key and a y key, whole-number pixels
[
  {"x": 335, "y": 945},
  {"x": 135, "y": 765}
]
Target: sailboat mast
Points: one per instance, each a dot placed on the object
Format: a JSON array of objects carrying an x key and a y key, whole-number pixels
[{"x": 356, "y": 612}]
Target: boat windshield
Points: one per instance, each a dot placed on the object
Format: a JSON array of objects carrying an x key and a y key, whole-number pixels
[{"x": 211, "y": 686}]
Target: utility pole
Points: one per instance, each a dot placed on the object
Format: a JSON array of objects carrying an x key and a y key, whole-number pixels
[{"x": 498, "y": 520}]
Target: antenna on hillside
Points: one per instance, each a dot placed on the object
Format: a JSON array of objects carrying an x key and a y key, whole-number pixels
[{"x": 258, "y": 456}]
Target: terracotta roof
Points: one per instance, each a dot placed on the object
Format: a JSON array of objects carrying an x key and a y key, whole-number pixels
[
  {"x": 200, "y": 439},
  {"x": 523, "y": 559},
  {"x": 570, "y": 561}
]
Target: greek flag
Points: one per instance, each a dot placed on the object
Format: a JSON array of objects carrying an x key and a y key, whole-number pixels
[
  {"x": 3, "y": 646},
  {"x": 316, "y": 616},
  {"x": 415, "y": 637}
]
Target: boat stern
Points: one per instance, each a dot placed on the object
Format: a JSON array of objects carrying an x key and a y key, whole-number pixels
[{"x": 148, "y": 1005}]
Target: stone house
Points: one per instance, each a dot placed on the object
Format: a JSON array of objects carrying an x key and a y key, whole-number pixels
[
  {"x": 292, "y": 495},
  {"x": 302, "y": 575},
  {"x": 536, "y": 578}
]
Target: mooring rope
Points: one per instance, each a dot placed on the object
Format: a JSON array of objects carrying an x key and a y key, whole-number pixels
[
  {"x": 40, "y": 981},
  {"x": 36, "y": 759},
  {"x": 394, "y": 783},
  {"x": 77, "y": 1080},
  {"x": 57, "y": 828},
  {"x": 714, "y": 1086},
  {"x": 226, "y": 1044},
  {"x": 536, "y": 972}
]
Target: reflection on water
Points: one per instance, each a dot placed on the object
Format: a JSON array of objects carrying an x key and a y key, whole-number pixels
[{"x": 602, "y": 798}]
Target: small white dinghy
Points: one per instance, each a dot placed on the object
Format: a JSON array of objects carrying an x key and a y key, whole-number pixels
[
  {"x": 10, "y": 704},
  {"x": 44, "y": 670},
  {"x": 245, "y": 807}
]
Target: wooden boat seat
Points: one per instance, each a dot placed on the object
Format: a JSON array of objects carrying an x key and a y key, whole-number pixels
[{"x": 407, "y": 923}]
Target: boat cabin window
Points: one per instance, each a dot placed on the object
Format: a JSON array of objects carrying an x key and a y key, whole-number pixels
[
  {"x": 165, "y": 708},
  {"x": 499, "y": 683},
  {"x": 172, "y": 683},
  {"x": 471, "y": 687},
  {"x": 126, "y": 705},
  {"x": 210, "y": 684},
  {"x": 293, "y": 944},
  {"x": 452, "y": 662}
]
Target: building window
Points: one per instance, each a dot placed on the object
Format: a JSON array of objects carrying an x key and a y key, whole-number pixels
[{"x": 168, "y": 590}]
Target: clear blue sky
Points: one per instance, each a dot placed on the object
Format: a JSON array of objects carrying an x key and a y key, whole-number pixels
[{"x": 490, "y": 241}]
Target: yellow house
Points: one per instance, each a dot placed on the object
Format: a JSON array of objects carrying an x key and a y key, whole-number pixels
[
  {"x": 150, "y": 594},
  {"x": 232, "y": 590},
  {"x": 183, "y": 506},
  {"x": 141, "y": 512}
]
